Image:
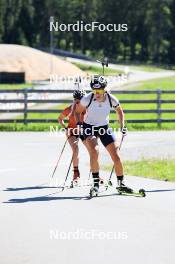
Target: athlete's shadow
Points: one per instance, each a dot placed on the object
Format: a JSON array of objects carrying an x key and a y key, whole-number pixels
[
  {"x": 48, "y": 198},
  {"x": 45, "y": 199},
  {"x": 160, "y": 190},
  {"x": 29, "y": 188}
]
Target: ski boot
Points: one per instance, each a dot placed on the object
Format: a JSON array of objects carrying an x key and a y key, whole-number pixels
[
  {"x": 94, "y": 190},
  {"x": 76, "y": 177},
  {"x": 122, "y": 188}
]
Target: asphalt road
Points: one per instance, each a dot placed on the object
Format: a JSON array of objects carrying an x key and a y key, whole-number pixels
[
  {"x": 135, "y": 75},
  {"x": 38, "y": 226}
]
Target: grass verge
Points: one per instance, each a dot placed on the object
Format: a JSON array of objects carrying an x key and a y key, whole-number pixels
[
  {"x": 159, "y": 169},
  {"x": 29, "y": 127},
  {"x": 167, "y": 83},
  {"x": 161, "y": 83},
  {"x": 15, "y": 86}
]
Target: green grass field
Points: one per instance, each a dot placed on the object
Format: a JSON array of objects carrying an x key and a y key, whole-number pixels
[
  {"x": 15, "y": 86},
  {"x": 34, "y": 126},
  {"x": 163, "y": 84},
  {"x": 147, "y": 68},
  {"x": 160, "y": 83},
  {"x": 150, "y": 168},
  {"x": 152, "y": 68}
]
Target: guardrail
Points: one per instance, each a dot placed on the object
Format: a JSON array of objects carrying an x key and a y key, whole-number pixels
[{"x": 25, "y": 100}]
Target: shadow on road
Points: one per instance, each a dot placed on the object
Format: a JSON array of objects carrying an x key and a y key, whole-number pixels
[
  {"x": 40, "y": 187},
  {"x": 29, "y": 188},
  {"x": 44, "y": 199},
  {"x": 48, "y": 198},
  {"x": 166, "y": 190}
]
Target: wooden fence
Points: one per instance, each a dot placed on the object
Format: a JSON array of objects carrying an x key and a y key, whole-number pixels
[{"x": 26, "y": 100}]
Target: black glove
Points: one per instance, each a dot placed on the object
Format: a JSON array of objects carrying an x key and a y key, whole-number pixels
[{"x": 124, "y": 130}]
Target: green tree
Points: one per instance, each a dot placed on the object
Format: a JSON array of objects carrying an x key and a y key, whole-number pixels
[
  {"x": 171, "y": 50},
  {"x": 2, "y": 12},
  {"x": 158, "y": 20}
]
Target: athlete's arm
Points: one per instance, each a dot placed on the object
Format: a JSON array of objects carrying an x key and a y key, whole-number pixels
[
  {"x": 63, "y": 115},
  {"x": 121, "y": 116},
  {"x": 61, "y": 120}
]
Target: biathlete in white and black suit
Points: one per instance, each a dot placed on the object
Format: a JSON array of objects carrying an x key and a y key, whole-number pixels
[{"x": 98, "y": 104}]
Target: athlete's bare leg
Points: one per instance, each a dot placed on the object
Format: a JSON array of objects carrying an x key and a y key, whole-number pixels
[
  {"x": 93, "y": 149},
  {"x": 73, "y": 141},
  {"x": 113, "y": 150}
]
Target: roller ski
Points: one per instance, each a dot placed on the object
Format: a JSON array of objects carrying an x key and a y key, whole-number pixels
[{"x": 123, "y": 189}]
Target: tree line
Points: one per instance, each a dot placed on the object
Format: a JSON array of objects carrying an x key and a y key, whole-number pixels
[{"x": 150, "y": 36}]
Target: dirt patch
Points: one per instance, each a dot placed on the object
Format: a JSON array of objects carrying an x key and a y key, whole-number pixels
[{"x": 36, "y": 64}]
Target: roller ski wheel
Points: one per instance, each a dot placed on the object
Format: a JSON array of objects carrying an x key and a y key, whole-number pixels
[
  {"x": 101, "y": 181},
  {"x": 93, "y": 192},
  {"x": 110, "y": 183},
  {"x": 72, "y": 184},
  {"x": 142, "y": 192}
]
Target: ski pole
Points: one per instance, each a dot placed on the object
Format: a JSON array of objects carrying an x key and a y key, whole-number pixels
[
  {"x": 67, "y": 174},
  {"x": 109, "y": 181},
  {"x": 78, "y": 81},
  {"x": 104, "y": 63},
  {"x": 59, "y": 158}
]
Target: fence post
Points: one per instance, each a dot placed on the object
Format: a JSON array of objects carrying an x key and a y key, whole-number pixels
[
  {"x": 25, "y": 106},
  {"x": 159, "y": 92}
]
